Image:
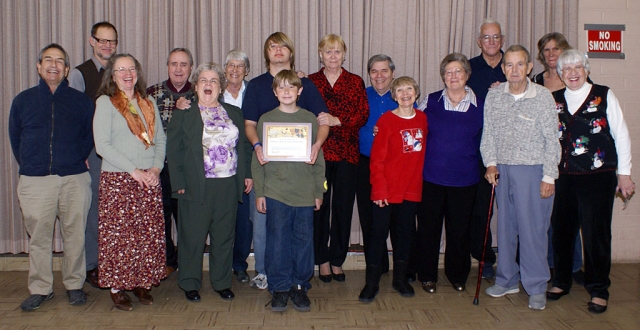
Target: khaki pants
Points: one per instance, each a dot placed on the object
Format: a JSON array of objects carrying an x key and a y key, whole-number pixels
[{"x": 42, "y": 200}]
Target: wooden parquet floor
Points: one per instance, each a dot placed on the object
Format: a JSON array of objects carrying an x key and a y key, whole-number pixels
[{"x": 333, "y": 306}]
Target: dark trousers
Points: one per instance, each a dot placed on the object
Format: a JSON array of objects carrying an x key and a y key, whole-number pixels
[
  {"x": 332, "y": 223},
  {"x": 170, "y": 207},
  {"x": 584, "y": 201},
  {"x": 365, "y": 209},
  {"x": 481, "y": 209},
  {"x": 401, "y": 217},
  {"x": 453, "y": 206},
  {"x": 244, "y": 235}
]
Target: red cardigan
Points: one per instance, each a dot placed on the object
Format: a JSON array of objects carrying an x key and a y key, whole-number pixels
[{"x": 397, "y": 157}]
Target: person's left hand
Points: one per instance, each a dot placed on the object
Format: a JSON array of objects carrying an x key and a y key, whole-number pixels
[
  {"x": 625, "y": 186},
  {"x": 381, "y": 202},
  {"x": 547, "y": 189},
  {"x": 315, "y": 150},
  {"x": 248, "y": 185},
  {"x": 182, "y": 103},
  {"x": 318, "y": 204}
]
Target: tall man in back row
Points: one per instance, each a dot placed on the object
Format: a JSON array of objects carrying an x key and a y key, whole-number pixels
[
  {"x": 487, "y": 73},
  {"x": 86, "y": 78},
  {"x": 520, "y": 142}
]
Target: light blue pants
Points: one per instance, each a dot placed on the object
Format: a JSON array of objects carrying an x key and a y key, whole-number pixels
[
  {"x": 259, "y": 234},
  {"x": 524, "y": 217}
]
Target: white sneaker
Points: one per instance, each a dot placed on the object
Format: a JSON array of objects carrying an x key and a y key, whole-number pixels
[
  {"x": 498, "y": 291},
  {"x": 260, "y": 281}
]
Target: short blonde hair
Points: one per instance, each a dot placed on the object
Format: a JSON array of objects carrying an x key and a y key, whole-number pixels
[
  {"x": 331, "y": 39},
  {"x": 404, "y": 81}
]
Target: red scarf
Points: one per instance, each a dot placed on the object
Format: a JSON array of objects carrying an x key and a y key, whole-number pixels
[{"x": 126, "y": 109}]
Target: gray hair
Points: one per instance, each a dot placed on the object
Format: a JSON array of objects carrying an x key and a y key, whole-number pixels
[
  {"x": 238, "y": 55},
  {"x": 380, "y": 58},
  {"x": 486, "y": 21},
  {"x": 210, "y": 66},
  {"x": 58, "y": 47},
  {"x": 455, "y": 57},
  {"x": 518, "y": 48},
  {"x": 572, "y": 56},
  {"x": 184, "y": 50}
]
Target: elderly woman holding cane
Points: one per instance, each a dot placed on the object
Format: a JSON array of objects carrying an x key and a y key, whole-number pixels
[
  {"x": 129, "y": 136},
  {"x": 595, "y": 164},
  {"x": 208, "y": 162}
]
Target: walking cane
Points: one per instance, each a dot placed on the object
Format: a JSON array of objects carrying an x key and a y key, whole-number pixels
[{"x": 484, "y": 245}]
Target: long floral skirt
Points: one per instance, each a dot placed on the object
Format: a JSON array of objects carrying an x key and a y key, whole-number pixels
[{"x": 131, "y": 242}]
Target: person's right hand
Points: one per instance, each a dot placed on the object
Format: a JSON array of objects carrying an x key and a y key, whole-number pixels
[
  {"x": 261, "y": 204},
  {"x": 180, "y": 192},
  {"x": 140, "y": 177},
  {"x": 381, "y": 202},
  {"x": 182, "y": 103},
  {"x": 260, "y": 155},
  {"x": 492, "y": 175}
]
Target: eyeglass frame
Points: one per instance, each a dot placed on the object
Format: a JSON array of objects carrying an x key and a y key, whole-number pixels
[
  {"x": 234, "y": 66},
  {"x": 576, "y": 68},
  {"x": 496, "y": 37},
  {"x": 105, "y": 41},
  {"x": 123, "y": 69}
]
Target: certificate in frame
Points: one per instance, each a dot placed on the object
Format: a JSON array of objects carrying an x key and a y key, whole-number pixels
[{"x": 290, "y": 142}]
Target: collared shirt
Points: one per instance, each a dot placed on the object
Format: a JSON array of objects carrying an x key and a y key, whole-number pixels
[
  {"x": 463, "y": 106},
  {"x": 228, "y": 97},
  {"x": 378, "y": 104},
  {"x": 76, "y": 80},
  {"x": 483, "y": 75}
]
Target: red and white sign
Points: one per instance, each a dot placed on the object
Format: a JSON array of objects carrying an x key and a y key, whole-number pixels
[{"x": 604, "y": 41}]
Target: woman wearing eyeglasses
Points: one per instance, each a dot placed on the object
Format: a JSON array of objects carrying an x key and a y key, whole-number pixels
[
  {"x": 129, "y": 136},
  {"x": 595, "y": 165},
  {"x": 208, "y": 155},
  {"x": 450, "y": 175}
]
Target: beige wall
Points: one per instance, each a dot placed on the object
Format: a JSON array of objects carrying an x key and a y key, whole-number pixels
[{"x": 623, "y": 76}]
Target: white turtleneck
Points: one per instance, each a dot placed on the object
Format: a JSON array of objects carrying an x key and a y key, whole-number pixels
[{"x": 617, "y": 126}]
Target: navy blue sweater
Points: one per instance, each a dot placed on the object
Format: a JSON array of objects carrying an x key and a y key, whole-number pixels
[{"x": 51, "y": 133}]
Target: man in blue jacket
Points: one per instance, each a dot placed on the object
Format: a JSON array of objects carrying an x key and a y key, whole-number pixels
[{"x": 50, "y": 128}]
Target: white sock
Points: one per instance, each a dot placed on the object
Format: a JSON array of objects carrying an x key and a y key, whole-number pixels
[{"x": 114, "y": 290}]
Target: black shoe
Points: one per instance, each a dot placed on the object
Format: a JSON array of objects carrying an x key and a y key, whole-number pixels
[
  {"x": 279, "y": 301},
  {"x": 458, "y": 286},
  {"x": 556, "y": 295},
  {"x": 369, "y": 293},
  {"x": 192, "y": 295},
  {"x": 34, "y": 301},
  {"x": 300, "y": 299},
  {"x": 76, "y": 297},
  {"x": 339, "y": 277},
  {"x": 595, "y": 308},
  {"x": 411, "y": 278},
  {"x": 241, "y": 276},
  {"x": 578, "y": 277},
  {"x": 325, "y": 278},
  {"x": 429, "y": 287},
  {"x": 225, "y": 294},
  {"x": 404, "y": 288}
]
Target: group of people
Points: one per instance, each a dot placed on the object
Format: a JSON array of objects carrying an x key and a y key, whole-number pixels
[{"x": 123, "y": 160}]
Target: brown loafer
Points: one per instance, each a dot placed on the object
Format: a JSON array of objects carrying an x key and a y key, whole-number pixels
[
  {"x": 92, "y": 278},
  {"x": 143, "y": 295},
  {"x": 121, "y": 300}
]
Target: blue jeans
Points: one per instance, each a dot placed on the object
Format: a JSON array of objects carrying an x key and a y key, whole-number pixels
[
  {"x": 244, "y": 235},
  {"x": 289, "y": 253},
  {"x": 259, "y": 233}
]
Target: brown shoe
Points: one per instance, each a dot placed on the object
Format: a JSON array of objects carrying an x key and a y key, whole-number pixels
[
  {"x": 143, "y": 295},
  {"x": 170, "y": 270},
  {"x": 121, "y": 300},
  {"x": 92, "y": 278}
]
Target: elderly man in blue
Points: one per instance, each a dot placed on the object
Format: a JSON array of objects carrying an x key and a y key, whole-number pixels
[
  {"x": 381, "y": 73},
  {"x": 520, "y": 144},
  {"x": 54, "y": 178}
]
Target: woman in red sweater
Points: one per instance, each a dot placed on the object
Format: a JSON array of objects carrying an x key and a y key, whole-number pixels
[{"x": 397, "y": 157}]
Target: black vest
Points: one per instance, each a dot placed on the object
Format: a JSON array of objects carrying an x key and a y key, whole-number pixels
[
  {"x": 92, "y": 78},
  {"x": 587, "y": 144}
]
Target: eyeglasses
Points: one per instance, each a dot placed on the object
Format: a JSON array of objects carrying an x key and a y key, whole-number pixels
[
  {"x": 276, "y": 46},
  {"x": 104, "y": 41},
  {"x": 456, "y": 72},
  {"x": 123, "y": 69},
  {"x": 205, "y": 81},
  {"x": 577, "y": 68},
  {"x": 236, "y": 66},
  {"x": 487, "y": 38}
]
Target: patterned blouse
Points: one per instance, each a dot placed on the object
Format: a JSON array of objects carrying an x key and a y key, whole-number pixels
[{"x": 219, "y": 140}]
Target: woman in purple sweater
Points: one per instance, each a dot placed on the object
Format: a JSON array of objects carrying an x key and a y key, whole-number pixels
[{"x": 450, "y": 175}]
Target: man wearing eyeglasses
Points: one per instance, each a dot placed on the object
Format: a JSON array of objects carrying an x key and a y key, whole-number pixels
[
  {"x": 166, "y": 94},
  {"x": 487, "y": 73},
  {"x": 86, "y": 78}
]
